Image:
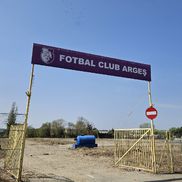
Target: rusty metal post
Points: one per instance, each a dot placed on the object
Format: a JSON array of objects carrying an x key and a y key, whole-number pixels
[
  {"x": 28, "y": 93},
  {"x": 152, "y": 132}
]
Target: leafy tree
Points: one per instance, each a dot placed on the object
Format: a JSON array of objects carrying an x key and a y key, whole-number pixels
[
  {"x": 81, "y": 126},
  {"x": 71, "y": 131},
  {"x": 57, "y": 128},
  {"x": 176, "y": 132},
  {"x": 45, "y": 130},
  {"x": 145, "y": 125},
  {"x": 31, "y": 132},
  {"x": 111, "y": 133},
  {"x": 161, "y": 134},
  {"x": 89, "y": 128},
  {"x": 71, "y": 125},
  {"x": 12, "y": 116}
]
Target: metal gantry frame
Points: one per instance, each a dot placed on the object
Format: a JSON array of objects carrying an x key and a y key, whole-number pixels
[{"x": 29, "y": 93}]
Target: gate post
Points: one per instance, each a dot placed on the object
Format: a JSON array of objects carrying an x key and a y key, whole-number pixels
[
  {"x": 152, "y": 132},
  {"x": 28, "y": 93},
  {"x": 168, "y": 136}
]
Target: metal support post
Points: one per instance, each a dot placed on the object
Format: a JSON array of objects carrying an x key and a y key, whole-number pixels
[
  {"x": 28, "y": 93},
  {"x": 170, "y": 153},
  {"x": 152, "y": 132}
]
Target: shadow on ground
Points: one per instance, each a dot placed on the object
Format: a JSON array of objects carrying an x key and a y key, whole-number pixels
[
  {"x": 166, "y": 180},
  {"x": 49, "y": 179},
  {"x": 32, "y": 177}
]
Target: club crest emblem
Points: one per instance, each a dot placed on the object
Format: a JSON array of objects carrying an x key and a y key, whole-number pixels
[{"x": 47, "y": 55}]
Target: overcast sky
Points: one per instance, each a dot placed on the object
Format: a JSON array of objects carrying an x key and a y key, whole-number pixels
[{"x": 144, "y": 31}]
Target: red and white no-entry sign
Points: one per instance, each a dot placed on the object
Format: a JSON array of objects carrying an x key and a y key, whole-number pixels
[{"x": 151, "y": 113}]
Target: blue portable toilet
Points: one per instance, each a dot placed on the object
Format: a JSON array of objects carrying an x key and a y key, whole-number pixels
[{"x": 85, "y": 141}]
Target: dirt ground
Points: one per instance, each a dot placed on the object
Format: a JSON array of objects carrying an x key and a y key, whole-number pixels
[{"x": 54, "y": 160}]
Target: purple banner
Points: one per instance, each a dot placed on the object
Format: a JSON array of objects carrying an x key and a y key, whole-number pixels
[{"x": 68, "y": 59}]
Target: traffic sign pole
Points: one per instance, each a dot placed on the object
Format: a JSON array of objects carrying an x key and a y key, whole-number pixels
[
  {"x": 152, "y": 131},
  {"x": 149, "y": 94}
]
